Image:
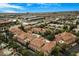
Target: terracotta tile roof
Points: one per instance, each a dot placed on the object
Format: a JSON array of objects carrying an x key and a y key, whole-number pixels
[
  {"x": 15, "y": 30},
  {"x": 19, "y": 34},
  {"x": 48, "y": 47},
  {"x": 21, "y": 37},
  {"x": 66, "y": 37},
  {"x": 36, "y": 44},
  {"x": 30, "y": 37},
  {"x": 58, "y": 37},
  {"x": 4, "y": 21}
]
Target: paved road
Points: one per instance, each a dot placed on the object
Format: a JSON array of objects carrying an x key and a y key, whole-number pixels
[{"x": 75, "y": 48}]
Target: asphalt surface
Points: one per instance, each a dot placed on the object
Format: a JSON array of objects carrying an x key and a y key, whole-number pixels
[
  {"x": 71, "y": 50},
  {"x": 74, "y": 48}
]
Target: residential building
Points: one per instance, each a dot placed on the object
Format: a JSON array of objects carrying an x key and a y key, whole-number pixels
[
  {"x": 48, "y": 47},
  {"x": 67, "y": 37},
  {"x": 36, "y": 44}
]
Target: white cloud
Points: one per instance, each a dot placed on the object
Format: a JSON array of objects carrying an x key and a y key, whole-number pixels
[
  {"x": 6, "y": 5},
  {"x": 9, "y": 11}
]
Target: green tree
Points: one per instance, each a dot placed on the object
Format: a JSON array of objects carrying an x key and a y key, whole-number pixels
[
  {"x": 37, "y": 53},
  {"x": 22, "y": 27},
  {"x": 43, "y": 25},
  {"x": 13, "y": 44},
  {"x": 26, "y": 52},
  {"x": 77, "y": 34},
  {"x": 56, "y": 51},
  {"x": 50, "y": 37},
  {"x": 72, "y": 26},
  {"x": 65, "y": 28}
]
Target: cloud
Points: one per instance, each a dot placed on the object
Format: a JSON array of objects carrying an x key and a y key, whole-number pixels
[
  {"x": 10, "y": 8},
  {"x": 18, "y": 7},
  {"x": 8, "y": 11},
  {"x": 6, "y": 5}
]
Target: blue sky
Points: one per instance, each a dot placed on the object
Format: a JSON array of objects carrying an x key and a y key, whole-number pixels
[{"x": 37, "y": 7}]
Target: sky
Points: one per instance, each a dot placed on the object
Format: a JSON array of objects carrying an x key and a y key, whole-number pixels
[{"x": 37, "y": 7}]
